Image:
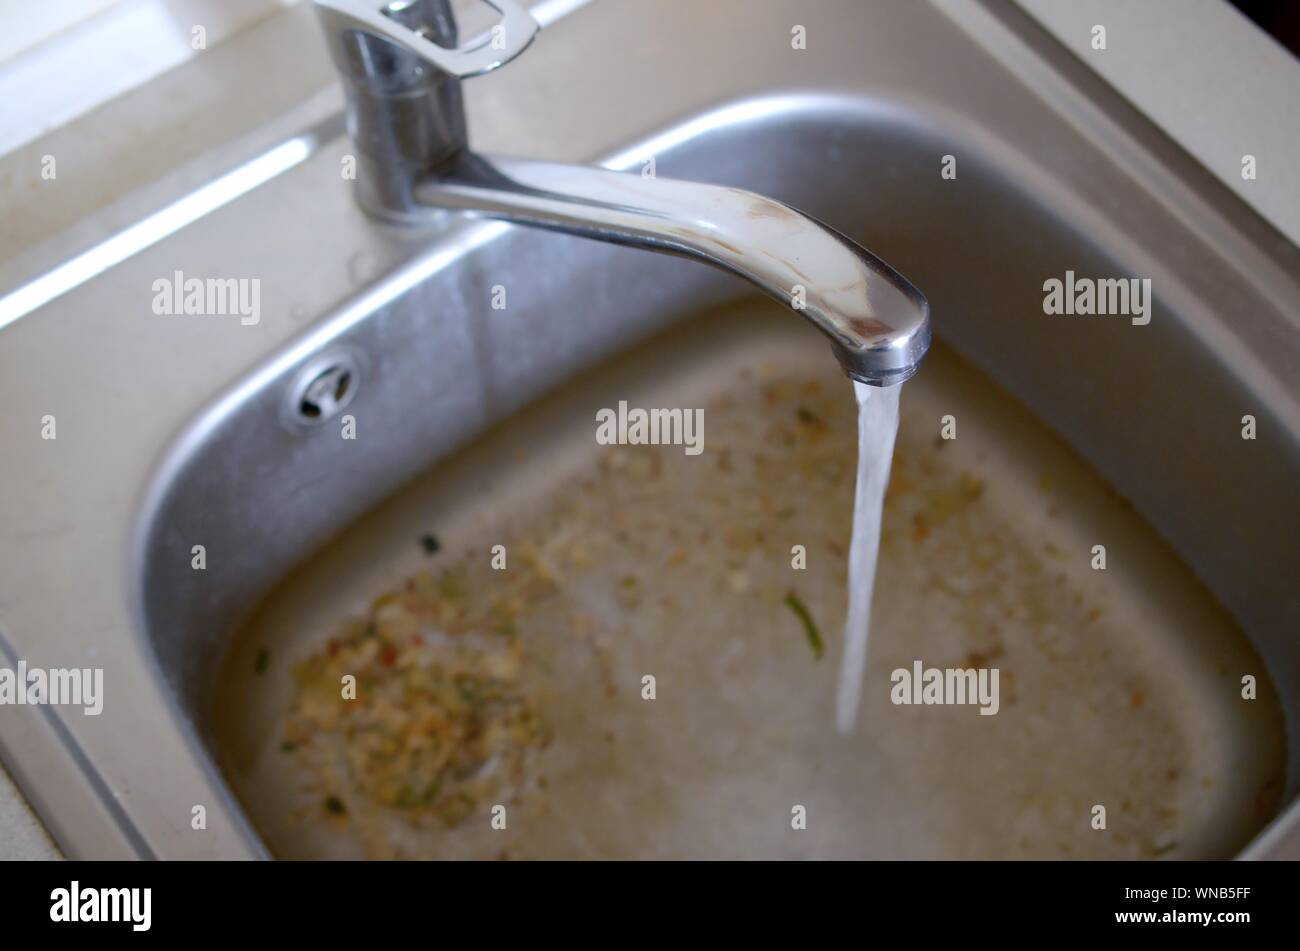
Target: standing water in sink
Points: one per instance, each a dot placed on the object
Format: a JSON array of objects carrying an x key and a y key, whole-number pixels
[
  {"x": 634, "y": 568},
  {"x": 877, "y": 427}
]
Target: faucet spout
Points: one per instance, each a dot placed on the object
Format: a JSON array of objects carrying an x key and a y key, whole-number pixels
[
  {"x": 877, "y": 322},
  {"x": 401, "y": 71}
]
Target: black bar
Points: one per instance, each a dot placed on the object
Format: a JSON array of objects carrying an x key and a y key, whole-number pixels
[{"x": 982, "y": 901}]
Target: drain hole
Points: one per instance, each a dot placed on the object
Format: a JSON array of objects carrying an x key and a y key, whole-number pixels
[
  {"x": 341, "y": 388},
  {"x": 323, "y": 389},
  {"x": 325, "y": 393}
]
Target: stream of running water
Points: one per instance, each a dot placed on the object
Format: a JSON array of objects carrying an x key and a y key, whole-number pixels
[{"x": 877, "y": 427}]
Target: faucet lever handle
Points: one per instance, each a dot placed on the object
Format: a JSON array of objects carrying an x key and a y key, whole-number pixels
[{"x": 507, "y": 38}]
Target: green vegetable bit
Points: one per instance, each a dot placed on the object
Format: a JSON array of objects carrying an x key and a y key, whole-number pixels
[
  {"x": 431, "y": 544},
  {"x": 809, "y": 626}
]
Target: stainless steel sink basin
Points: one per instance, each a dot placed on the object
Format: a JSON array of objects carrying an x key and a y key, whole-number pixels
[{"x": 194, "y": 431}]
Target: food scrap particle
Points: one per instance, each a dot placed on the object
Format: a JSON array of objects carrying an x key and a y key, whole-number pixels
[
  {"x": 814, "y": 636},
  {"x": 977, "y": 659},
  {"x": 431, "y": 544},
  {"x": 451, "y": 585},
  {"x": 262, "y": 661},
  {"x": 808, "y": 417},
  {"x": 334, "y": 805},
  {"x": 920, "y": 528},
  {"x": 1137, "y": 699}
]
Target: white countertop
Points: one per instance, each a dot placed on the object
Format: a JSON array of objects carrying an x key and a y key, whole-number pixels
[{"x": 1213, "y": 81}]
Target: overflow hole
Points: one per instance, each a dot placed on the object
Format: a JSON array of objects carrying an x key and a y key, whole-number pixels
[{"x": 323, "y": 389}]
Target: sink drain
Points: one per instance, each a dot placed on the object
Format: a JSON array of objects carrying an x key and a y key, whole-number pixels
[{"x": 323, "y": 388}]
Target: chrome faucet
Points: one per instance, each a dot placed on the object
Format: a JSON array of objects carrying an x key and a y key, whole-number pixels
[{"x": 401, "y": 69}]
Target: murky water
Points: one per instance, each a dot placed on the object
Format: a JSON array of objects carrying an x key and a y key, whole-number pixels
[
  {"x": 877, "y": 428},
  {"x": 1119, "y": 688}
]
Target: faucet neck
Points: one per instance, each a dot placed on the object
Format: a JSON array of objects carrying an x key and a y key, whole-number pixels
[{"x": 401, "y": 69}]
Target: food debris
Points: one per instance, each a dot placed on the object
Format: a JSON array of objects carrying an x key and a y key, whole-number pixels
[
  {"x": 445, "y": 723},
  {"x": 811, "y": 420},
  {"x": 810, "y": 631}
]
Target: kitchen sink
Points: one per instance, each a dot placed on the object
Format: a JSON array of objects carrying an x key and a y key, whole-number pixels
[{"x": 472, "y": 425}]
